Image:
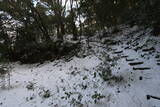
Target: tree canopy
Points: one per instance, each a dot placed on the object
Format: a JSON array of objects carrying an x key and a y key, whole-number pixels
[{"x": 28, "y": 24}]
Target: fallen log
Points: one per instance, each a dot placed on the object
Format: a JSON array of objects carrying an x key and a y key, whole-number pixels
[{"x": 144, "y": 68}]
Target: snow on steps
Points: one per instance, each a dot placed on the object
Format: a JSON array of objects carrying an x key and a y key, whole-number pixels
[{"x": 75, "y": 83}]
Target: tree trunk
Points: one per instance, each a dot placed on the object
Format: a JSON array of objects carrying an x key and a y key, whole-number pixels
[{"x": 74, "y": 29}]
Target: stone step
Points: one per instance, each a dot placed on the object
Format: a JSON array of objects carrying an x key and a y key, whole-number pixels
[
  {"x": 158, "y": 60},
  {"x": 124, "y": 56},
  {"x": 127, "y": 47},
  {"x": 149, "y": 49},
  {"x": 128, "y": 60},
  {"x": 135, "y": 63},
  {"x": 142, "y": 68},
  {"x": 114, "y": 49},
  {"x": 118, "y": 52}
]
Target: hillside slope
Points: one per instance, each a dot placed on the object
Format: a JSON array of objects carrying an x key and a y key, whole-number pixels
[{"x": 132, "y": 55}]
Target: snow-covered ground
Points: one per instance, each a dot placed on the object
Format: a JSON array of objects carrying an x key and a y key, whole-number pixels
[{"x": 135, "y": 56}]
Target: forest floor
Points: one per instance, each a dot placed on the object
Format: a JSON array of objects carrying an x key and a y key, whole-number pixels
[{"x": 133, "y": 56}]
